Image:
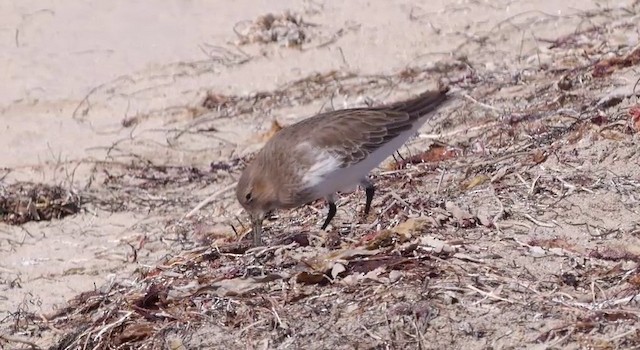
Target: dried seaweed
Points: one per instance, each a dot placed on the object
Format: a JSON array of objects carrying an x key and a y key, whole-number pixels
[
  {"x": 24, "y": 201},
  {"x": 609, "y": 65},
  {"x": 463, "y": 240},
  {"x": 287, "y": 29}
]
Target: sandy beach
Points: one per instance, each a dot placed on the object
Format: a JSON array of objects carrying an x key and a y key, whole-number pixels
[{"x": 512, "y": 222}]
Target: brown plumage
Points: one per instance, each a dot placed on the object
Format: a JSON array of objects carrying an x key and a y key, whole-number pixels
[{"x": 329, "y": 152}]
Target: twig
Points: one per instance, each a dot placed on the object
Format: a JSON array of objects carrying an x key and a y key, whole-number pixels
[
  {"x": 251, "y": 326},
  {"x": 11, "y": 339},
  {"x": 480, "y": 103},
  {"x": 399, "y": 199},
  {"x": 440, "y": 181},
  {"x": 493, "y": 296},
  {"x": 533, "y": 184},
  {"x": 376, "y": 337},
  {"x": 210, "y": 199},
  {"x": 622, "y": 335},
  {"x": 116, "y": 323},
  {"x": 537, "y": 222}
]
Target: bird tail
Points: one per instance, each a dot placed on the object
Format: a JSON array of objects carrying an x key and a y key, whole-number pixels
[{"x": 423, "y": 104}]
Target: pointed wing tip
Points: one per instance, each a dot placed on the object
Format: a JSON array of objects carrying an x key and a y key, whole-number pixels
[
  {"x": 443, "y": 91},
  {"x": 443, "y": 88}
]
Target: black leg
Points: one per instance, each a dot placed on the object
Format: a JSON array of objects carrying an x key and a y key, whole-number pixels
[
  {"x": 330, "y": 215},
  {"x": 369, "y": 190}
]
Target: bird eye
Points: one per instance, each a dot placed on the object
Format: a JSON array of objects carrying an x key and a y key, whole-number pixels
[{"x": 248, "y": 197}]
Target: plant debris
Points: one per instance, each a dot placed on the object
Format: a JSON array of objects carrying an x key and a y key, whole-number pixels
[
  {"x": 287, "y": 29},
  {"x": 146, "y": 185},
  {"x": 522, "y": 230},
  {"x": 24, "y": 201},
  {"x": 435, "y": 153},
  {"x": 609, "y": 65},
  {"x": 634, "y": 112}
]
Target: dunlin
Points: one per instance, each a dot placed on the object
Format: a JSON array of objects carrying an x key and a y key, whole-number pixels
[{"x": 328, "y": 153}]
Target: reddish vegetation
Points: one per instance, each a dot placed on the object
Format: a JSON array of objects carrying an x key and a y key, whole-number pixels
[
  {"x": 634, "y": 112},
  {"x": 552, "y": 243},
  {"x": 436, "y": 153},
  {"x": 609, "y": 65}
]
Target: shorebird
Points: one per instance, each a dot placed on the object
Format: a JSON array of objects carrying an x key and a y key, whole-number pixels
[{"x": 328, "y": 153}]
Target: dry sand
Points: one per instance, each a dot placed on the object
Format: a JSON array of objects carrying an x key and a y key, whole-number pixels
[{"x": 105, "y": 98}]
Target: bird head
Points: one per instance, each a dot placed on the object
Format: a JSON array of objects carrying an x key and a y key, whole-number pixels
[{"x": 256, "y": 193}]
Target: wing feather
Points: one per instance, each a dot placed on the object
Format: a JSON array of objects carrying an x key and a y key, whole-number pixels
[{"x": 353, "y": 134}]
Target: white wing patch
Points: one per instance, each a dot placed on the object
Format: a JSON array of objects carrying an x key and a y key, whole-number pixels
[{"x": 324, "y": 164}]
